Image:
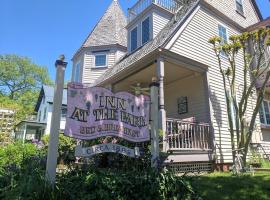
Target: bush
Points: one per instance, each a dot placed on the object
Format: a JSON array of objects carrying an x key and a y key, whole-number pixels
[
  {"x": 66, "y": 148},
  {"x": 107, "y": 184}
]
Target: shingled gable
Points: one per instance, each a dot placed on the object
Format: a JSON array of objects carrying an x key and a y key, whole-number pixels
[
  {"x": 110, "y": 29},
  {"x": 159, "y": 41}
]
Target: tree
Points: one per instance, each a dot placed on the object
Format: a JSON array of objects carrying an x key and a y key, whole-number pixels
[
  {"x": 20, "y": 82},
  {"x": 251, "y": 48},
  {"x": 19, "y": 75}
]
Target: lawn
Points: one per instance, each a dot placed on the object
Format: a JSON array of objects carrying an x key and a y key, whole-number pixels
[{"x": 224, "y": 186}]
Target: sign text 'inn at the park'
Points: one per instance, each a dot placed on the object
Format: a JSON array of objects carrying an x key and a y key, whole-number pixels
[{"x": 96, "y": 112}]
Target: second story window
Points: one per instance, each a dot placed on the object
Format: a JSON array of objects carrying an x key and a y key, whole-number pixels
[
  {"x": 265, "y": 112},
  {"x": 223, "y": 35},
  {"x": 145, "y": 30},
  {"x": 77, "y": 72},
  {"x": 239, "y": 6},
  {"x": 101, "y": 60},
  {"x": 134, "y": 39}
]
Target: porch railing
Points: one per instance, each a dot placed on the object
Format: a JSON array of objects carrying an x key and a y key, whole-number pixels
[
  {"x": 171, "y": 5},
  {"x": 183, "y": 135}
]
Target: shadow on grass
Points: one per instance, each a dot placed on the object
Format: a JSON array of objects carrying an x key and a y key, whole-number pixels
[{"x": 223, "y": 186}]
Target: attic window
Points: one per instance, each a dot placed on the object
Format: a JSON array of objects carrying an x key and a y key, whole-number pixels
[
  {"x": 101, "y": 60},
  {"x": 134, "y": 39},
  {"x": 77, "y": 70},
  {"x": 239, "y": 6},
  {"x": 146, "y": 30}
]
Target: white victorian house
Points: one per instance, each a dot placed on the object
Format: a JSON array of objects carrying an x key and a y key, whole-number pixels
[
  {"x": 36, "y": 126},
  {"x": 168, "y": 39}
]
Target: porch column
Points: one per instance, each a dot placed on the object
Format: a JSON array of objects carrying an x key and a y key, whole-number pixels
[
  {"x": 24, "y": 132},
  {"x": 162, "y": 112}
]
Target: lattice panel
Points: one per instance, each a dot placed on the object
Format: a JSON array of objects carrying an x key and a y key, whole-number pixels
[{"x": 193, "y": 167}]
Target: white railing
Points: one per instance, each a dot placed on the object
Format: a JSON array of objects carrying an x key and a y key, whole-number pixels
[
  {"x": 171, "y": 5},
  {"x": 187, "y": 135}
]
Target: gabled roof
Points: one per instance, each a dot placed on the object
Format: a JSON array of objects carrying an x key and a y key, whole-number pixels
[
  {"x": 110, "y": 29},
  {"x": 159, "y": 41},
  {"x": 257, "y": 9},
  {"x": 48, "y": 92}
]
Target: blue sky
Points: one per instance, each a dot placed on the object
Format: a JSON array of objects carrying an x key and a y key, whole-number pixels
[{"x": 44, "y": 29}]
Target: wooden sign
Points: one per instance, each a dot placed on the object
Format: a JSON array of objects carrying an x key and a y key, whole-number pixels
[
  {"x": 95, "y": 112},
  {"x": 106, "y": 148}
]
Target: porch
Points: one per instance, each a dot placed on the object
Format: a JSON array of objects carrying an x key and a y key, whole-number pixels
[
  {"x": 29, "y": 130},
  {"x": 184, "y": 114}
]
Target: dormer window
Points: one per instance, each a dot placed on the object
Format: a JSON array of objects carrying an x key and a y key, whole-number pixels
[
  {"x": 101, "y": 60},
  {"x": 239, "y": 6},
  {"x": 145, "y": 30},
  {"x": 134, "y": 39}
]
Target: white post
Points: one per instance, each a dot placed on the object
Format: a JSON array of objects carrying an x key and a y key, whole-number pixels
[
  {"x": 154, "y": 124},
  {"x": 162, "y": 112},
  {"x": 55, "y": 120},
  {"x": 24, "y": 133}
]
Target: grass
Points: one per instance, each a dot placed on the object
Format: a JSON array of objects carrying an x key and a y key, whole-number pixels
[{"x": 224, "y": 186}]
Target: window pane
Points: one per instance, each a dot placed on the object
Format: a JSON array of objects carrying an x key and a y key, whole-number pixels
[
  {"x": 223, "y": 35},
  {"x": 100, "y": 60},
  {"x": 266, "y": 110},
  {"x": 262, "y": 115},
  {"x": 133, "y": 39},
  {"x": 239, "y": 6},
  {"x": 145, "y": 30}
]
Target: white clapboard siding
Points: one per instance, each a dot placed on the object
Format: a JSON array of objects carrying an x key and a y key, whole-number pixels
[
  {"x": 159, "y": 22},
  {"x": 193, "y": 44},
  {"x": 228, "y": 7},
  {"x": 90, "y": 73},
  {"x": 196, "y": 98}
]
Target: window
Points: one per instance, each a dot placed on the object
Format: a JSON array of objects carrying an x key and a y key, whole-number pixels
[
  {"x": 134, "y": 39},
  {"x": 45, "y": 113},
  {"x": 265, "y": 112},
  {"x": 101, "y": 60},
  {"x": 239, "y": 6},
  {"x": 77, "y": 72},
  {"x": 64, "y": 113},
  {"x": 223, "y": 35},
  {"x": 145, "y": 30}
]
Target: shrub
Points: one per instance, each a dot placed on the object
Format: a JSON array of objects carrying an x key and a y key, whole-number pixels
[
  {"x": 66, "y": 148},
  {"x": 107, "y": 184}
]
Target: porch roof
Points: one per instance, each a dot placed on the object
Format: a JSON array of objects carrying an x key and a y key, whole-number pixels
[
  {"x": 31, "y": 123},
  {"x": 159, "y": 41}
]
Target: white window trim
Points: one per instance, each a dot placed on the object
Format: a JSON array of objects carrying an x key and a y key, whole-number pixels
[
  {"x": 130, "y": 49},
  {"x": 264, "y": 115},
  {"x": 100, "y": 54},
  {"x": 239, "y": 12},
  {"x": 150, "y": 38}
]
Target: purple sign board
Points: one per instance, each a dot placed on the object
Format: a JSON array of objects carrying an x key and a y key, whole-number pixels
[{"x": 95, "y": 112}]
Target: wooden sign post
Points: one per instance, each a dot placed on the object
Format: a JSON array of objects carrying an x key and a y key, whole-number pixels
[{"x": 55, "y": 121}]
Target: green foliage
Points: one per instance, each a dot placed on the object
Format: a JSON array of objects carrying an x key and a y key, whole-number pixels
[
  {"x": 65, "y": 149},
  {"x": 20, "y": 82},
  {"x": 122, "y": 185},
  {"x": 5, "y": 139},
  {"x": 19, "y": 75},
  {"x": 16, "y": 153},
  {"x": 225, "y": 186}
]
